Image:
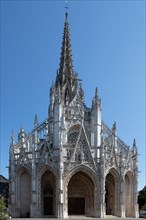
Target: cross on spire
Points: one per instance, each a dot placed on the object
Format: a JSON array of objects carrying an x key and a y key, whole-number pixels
[{"x": 66, "y": 6}]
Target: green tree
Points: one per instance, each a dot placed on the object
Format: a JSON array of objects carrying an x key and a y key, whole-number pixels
[
  {"x": 142, "y": 198},
  {"x": 3, "y": 212}
]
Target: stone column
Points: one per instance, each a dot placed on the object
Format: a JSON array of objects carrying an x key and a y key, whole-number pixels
[
  {"x": 122, "y": 198},
  {"x": 102, "y": 178},
  {"x": 122, "y": 188},
  {"x": 102, "y": 199},
  {"x": 12, "y": 200},
  {"x": 60, "y": 193},
  {"x": 96, "y": 199},
  {"x": 33, "y": 176},
  {"x": 33, "y": 184},
  {"x": 136, "y": 207}
]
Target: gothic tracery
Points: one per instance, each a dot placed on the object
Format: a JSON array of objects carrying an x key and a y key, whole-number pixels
[{"x": 72, "y": 158}]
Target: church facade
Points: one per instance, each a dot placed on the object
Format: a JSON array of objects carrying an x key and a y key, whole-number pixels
[{"x": 72, "y": 163}]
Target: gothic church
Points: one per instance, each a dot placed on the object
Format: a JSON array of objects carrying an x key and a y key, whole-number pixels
[{"x": 72, "y": 163}]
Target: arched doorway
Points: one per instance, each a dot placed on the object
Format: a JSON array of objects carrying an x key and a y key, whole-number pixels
[
  {"x": 48, "y": 193},
  {"x": 128, "y": 194},
  {"x": 81, "y": 195},
  {"x": 112, "y": 193},
  {"x": 25, "y": 195}
]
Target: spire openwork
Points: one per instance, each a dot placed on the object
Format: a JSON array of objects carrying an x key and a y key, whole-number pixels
[{"x": 66, "y": 65}]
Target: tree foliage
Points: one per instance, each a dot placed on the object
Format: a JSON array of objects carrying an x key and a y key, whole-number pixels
[
  {"x": 142, "y": 198},
  {"x": 3, "y": 212}
]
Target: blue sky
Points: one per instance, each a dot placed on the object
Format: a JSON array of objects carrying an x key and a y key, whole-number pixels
[{"x": 108, "y": 47}]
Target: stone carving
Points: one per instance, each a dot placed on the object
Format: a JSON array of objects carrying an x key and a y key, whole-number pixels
[{"x": 72, "y": 159}]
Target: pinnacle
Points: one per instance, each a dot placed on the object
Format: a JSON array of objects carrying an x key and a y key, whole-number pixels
[
  {"x": 134, "y": 143},
  {"x": 96, "y": 92},
  {"x": 35, "y": 121},
  {"x": 114, "y": 126}
]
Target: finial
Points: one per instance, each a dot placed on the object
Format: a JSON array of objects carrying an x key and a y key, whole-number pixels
[
  {"x": 92, "y": 102},
  {"x": 134, "y": 147},
  {"x": 96, "y": 99},
  {"x": 12, "y": 137},
  {"x": 114, "y": 126},
  {"x": 66, "y": 7},
  {"x": 35, "y": 117},
  {"x": 35, "y": 120},
  {"x": 96, "y": 92},
  {"x": 52, "y": 88},
  {"x": 134, "y": 143}
]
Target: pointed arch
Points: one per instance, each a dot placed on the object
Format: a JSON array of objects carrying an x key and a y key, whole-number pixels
[
  {"x": 23, "y": 191},
  {"x": 48, "y": 193},
  {"x": 43, "y": 169},
  {"x": 129, "y": 194},
  {"x": 46, "y": 186},
  {"x": 81, "y": 191},
  {"x": 75, "y": 127},
  {"x": 83, "y": 168},
  {"x": 112, "y": 187}
]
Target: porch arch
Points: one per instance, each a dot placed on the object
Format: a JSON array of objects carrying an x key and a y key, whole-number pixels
[
  {"x": 46, "y": 184},
  {"x": 128, "y": 194},
  {"x": 81, "y": 190},
  {"x": 24, "y": 191},
  {"x": 112, "y": 183}
]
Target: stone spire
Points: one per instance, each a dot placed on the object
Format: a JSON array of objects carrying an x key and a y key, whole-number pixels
[
  {"x": 96, "y": 92},
  {"x": 96, "y": 100},
  {"x": 134, "y": 147},
  {"x": 65, "y": 72},
  {"x": 35, "y": 121},
  {"x": 134, "y": 143},
  {"x": 114, "y": 128},
  {"x": 12, "y": 139}
]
